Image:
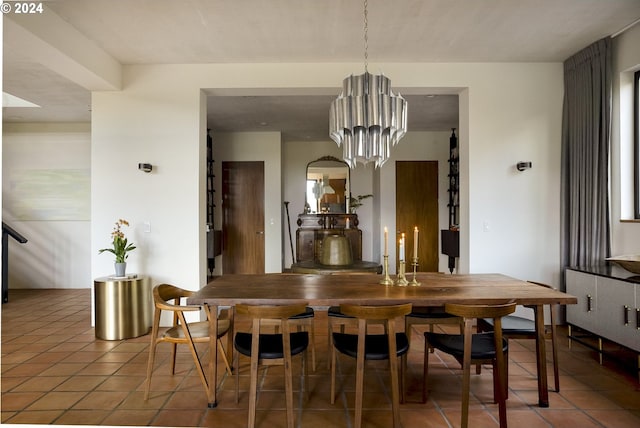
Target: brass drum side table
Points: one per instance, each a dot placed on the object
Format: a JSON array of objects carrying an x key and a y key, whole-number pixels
[{"x": 123, "y": 307}]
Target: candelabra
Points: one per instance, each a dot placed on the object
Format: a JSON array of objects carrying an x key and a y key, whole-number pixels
[
  {"x": 402, "y": 279},
  {"x": 387, "y": 279},
  {"x": 415, "y": 269}
]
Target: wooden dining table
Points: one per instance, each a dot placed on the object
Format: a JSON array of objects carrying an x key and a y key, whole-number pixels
[{"x": 319, "y": 290}]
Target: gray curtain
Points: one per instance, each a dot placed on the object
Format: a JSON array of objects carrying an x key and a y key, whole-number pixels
[{"x": 586, "y": 130}]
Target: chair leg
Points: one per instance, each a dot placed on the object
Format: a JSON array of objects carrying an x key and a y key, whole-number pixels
[
  {"x": 466, "y": 375},
  {"x": 305, "y": 370},
  {"x": 333, "y": 372},
  {"x": 152, "y": 355},
  {"x": 501, "y": 382},
  {"x": 312, "y": 334},
  {"x": 288, "y": 386},
  {"x": 174, "y": 347},
  {"x": 236, "y": 365},
  {"x": 253, "y": 391},
  {"x": 554, "y": 349},
  {"x": 222, "y": 352},
  {"x": 395, "y": 390},
  {"x": 425, "y": 371},
  {"x": 359, "y": 387}
]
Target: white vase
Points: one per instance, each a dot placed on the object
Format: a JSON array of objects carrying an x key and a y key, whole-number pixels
[{"x": 121, "y": 268}]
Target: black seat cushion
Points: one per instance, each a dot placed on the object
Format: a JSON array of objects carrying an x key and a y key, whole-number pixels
[
  {"x": 482, "y": 347},
  {"x": 511, "y": 324},
  {"x": 308, "y": 313},
  {"x": 334, "y": 311},
  {"x": 376, "y": 346},
  {"x": 271, "y": 344},
  {"x": 430, "y": 313}
]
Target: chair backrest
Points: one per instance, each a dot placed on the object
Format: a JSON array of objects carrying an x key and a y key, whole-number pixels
[
  {"x": 386, "y": 312},
  {"x": 271, "y": 312},
  {"x": 166, "y": 297},
  {"x": 480, "y": 311}
]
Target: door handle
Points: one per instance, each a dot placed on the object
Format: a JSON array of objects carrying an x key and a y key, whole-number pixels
[
  {"x": 626, "y": 314},
  {"x": 260, "y": 232}
]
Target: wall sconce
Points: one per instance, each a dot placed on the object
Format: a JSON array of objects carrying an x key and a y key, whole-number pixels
[
  {"x": 521, "y": 166},
  {"x": 145, "y": 167}
]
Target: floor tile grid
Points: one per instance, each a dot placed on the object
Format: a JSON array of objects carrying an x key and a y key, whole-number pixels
[{"x": 64, "y": 375}]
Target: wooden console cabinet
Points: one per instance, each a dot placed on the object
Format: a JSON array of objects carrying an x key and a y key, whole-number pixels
[{"x": 313, "y": 228}]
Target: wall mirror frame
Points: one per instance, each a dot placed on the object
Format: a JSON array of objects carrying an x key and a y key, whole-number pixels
[{"x": 327, "y": 186}]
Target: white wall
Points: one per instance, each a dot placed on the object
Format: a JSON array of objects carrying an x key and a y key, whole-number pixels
[
  {"x": 626, "y": 60},
  {"x": 57, "y": 254},
  {"x": 509, "y": 112}
]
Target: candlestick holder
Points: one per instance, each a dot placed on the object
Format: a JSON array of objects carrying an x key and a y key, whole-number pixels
[
  {"x": 387, "y": 279},
  {"x": 402, "y": 279},
  {"x": 414, "y": 282}
]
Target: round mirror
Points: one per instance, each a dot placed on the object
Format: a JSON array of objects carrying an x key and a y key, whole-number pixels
[{"x": 327, "y": 186}]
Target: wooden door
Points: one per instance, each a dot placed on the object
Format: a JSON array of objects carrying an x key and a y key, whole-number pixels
[
  {"x": 417, "y": 205},
  {"x": 242, "y": 217}
]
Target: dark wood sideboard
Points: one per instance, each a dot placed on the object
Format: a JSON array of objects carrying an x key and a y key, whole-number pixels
[{"x": 313, "y": 228}]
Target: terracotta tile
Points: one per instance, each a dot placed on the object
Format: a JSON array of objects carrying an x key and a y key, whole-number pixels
[
  {"x": 116, "y": 357},
  {"x": 179, "y": 418},
  {"x": 40, "y": 383},
  {"x": 9, "y": 383},
  {"x": 121, "y": 383},
  {"x": 417, "y": 419},
  {"x": 101, "y": 400},
  {"x": 81, "y": 383},
  {"x": 64, "y": 369},
  {"x": 6, "y": 416},
  {"x": 229, "y": 419},
  {"x": 100, "y": 369},
  {"x": 568, "y": 418},
  {"x": 187, "y": 400},
  {"x": 589, "y": 400},
  {"x": 26, "y": 369},
  {"x": 82, "y": 417},
  {"x": 136, "y": 401},
  {"x": 19, "y": 400},
  {"x": 615, "y": 418},
  {"x": 83, "y": 356},
  {"x": 57, "y": 401},
  {"x": 18, "y": 357},
  {"x": 41, "y": 417},
  {"x": 130, "y": 417},
  {"x": 103, "y": 382}
]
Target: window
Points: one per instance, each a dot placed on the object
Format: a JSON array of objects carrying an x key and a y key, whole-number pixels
[{"x": 636, "y": 145}]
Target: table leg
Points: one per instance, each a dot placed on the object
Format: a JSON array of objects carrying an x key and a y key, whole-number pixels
[
  {"x": 212, "y": 315},
  {"x": 541, "y": 357}
]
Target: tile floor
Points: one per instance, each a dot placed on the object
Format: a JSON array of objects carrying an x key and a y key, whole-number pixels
[{"x": 54, "y": 371}]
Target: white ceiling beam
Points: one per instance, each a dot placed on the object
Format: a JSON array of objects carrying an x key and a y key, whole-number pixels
[{"x": 49, "y": 40}]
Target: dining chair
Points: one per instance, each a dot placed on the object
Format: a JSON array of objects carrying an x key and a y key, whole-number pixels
[
  {"x": 469, "y": 348},
  {"x": 270, "y": 349},
  {"x": 517, "y": 327},
  {"x": 430, "y": 316},
  {"x": 304, "y": 321},
  {"x": 168, "y": 297},
  {"x": 338, "y": 320},
  {"x": 421, "y": 315},
  {"x": 390, "y": 345}
]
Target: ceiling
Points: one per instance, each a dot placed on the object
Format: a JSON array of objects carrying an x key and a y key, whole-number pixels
[{"x": 277, "y": 31}]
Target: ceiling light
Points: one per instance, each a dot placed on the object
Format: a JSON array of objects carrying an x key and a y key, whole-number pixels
[{"x": 367, "y": 118}]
